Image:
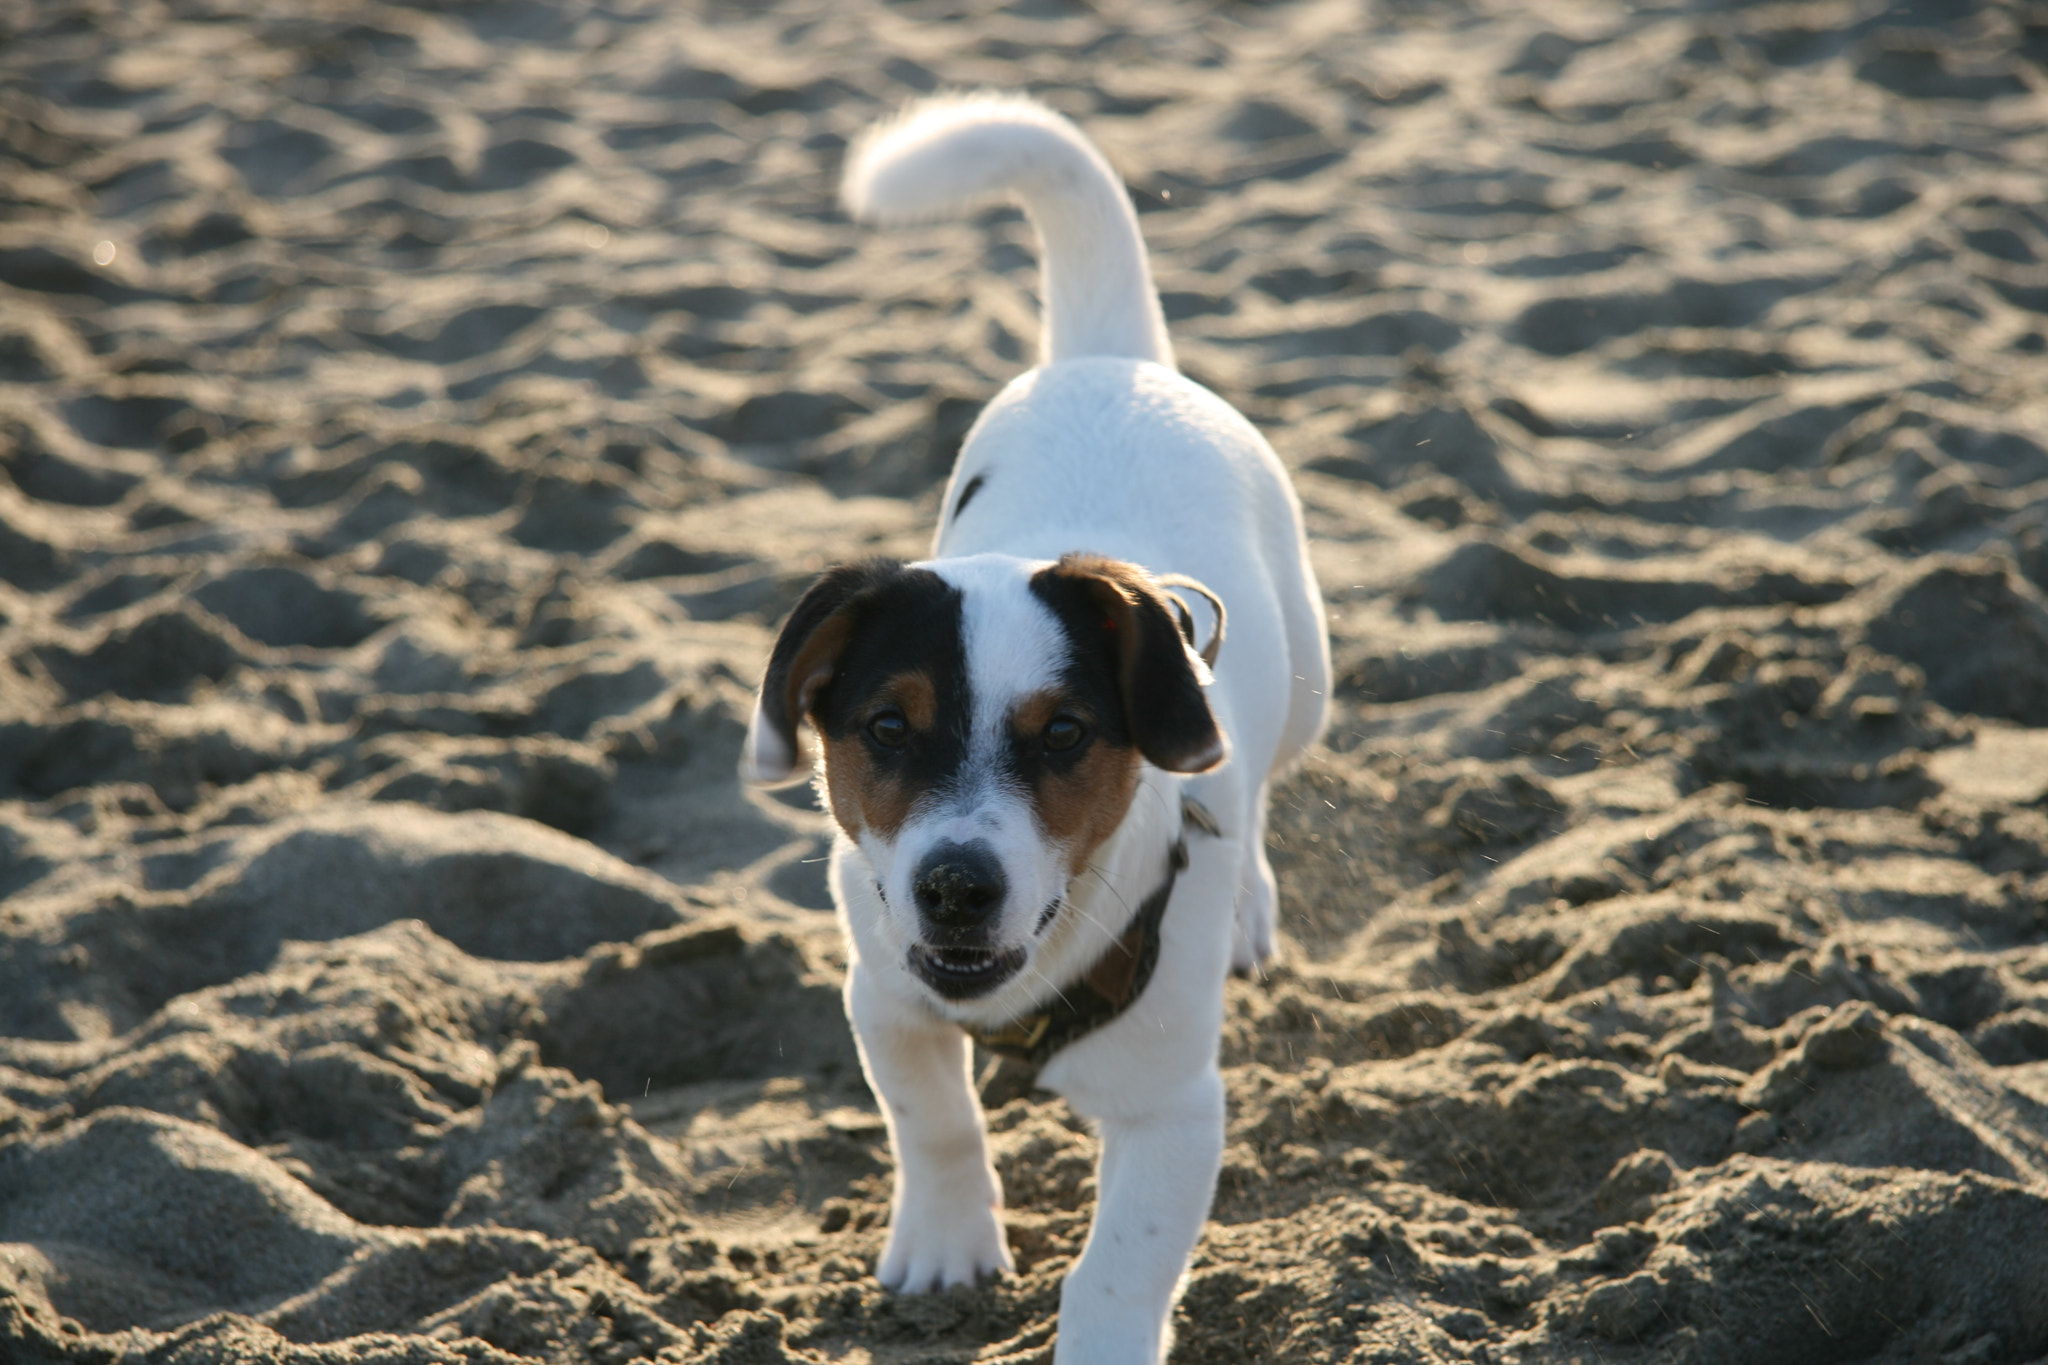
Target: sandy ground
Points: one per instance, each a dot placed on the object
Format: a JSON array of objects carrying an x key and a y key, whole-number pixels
[{"x": 415, "y": 419}]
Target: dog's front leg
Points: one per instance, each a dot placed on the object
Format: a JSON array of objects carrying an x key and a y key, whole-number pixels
[
  {"x": 945, "y": 1226},
  {"x": 1156, "y": 1180}
]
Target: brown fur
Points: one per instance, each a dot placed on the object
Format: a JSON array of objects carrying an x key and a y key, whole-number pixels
[
  {"x": 913, "y": 693},
  {"x": 861, "y": 797},
  {"x": 1082, "y": 806},
  {"x": 812, "y": 668}
]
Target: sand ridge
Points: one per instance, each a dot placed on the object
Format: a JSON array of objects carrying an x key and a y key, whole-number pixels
[{"x": 415, "y": 417}]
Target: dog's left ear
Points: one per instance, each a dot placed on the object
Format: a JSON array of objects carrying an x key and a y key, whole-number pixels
[
  {"x": 1159, "y": 676},
  {"x": 802, "y": 662}
]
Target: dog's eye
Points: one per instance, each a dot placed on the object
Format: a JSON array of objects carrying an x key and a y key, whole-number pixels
[
  {"x": 889, "y": 730},
  {"x": 1064, "y": 732}
]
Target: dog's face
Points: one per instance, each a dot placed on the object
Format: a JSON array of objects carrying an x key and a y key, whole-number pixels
[{"x": 983, "y": 723}]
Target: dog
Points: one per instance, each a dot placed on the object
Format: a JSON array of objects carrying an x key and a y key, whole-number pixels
[{"x": 1050, "y": 807}]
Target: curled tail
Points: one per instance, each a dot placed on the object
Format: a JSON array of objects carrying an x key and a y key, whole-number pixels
[{"x": 944, "y": 154}]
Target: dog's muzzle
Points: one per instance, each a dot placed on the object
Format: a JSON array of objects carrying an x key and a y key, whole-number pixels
[{"x": 959, "y": 890}]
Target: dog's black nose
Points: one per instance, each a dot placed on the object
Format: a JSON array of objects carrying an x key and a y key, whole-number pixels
[{"x": 958, "y": 886}]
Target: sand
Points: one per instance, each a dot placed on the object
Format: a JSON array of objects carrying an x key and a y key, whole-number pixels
[{"x": 414, "y": 419}]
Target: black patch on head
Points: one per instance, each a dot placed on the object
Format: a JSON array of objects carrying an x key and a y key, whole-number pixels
[
  {"x": 910, "y": 622},
  {"x": 1130, "y": 658},
  {"x": 967, "y": 494},
  {"x": 837, "y": 591}
]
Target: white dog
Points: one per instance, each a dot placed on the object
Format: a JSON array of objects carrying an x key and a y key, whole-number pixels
[{"x": 1041, "y": 845}]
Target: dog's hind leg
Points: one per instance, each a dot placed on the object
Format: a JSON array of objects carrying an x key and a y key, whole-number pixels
[
  {"x": 1255, "y": 938},
  {"x": 945, "y": 1225}
]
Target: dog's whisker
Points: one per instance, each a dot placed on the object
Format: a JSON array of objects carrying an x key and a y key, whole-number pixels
[
  {"x": 1050, "y": 985},
  {"x": 1096, "y": 871},
  {"x": 1108, "y": 886}
]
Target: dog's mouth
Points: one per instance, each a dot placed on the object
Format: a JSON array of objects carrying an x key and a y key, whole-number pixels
[{"x": 963, "y": 973}]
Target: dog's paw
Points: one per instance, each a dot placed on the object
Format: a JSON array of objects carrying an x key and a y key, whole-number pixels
[
  {"x": 1250, "y": 955},
  {"x": 1253, "y": 943},
  {"x": 943, "y": 1248}
]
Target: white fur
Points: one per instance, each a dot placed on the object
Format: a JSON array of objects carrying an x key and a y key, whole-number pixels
[
  {"x": 942, "y": 155},
  {"x": 764, "y": 757},
  {"x": 1105, "y": 448}
]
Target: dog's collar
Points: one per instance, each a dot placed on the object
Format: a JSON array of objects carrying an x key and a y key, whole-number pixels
[{"x": 1116, "y": 980}]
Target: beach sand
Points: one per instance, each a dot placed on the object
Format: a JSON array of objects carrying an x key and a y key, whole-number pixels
[{"x": 416, "y": 417}]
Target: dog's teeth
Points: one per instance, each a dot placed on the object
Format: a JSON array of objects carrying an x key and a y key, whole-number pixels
[{"x": 966, "y": 965}]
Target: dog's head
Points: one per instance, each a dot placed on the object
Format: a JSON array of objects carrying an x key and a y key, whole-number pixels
[{"x": 984, "y": 723}]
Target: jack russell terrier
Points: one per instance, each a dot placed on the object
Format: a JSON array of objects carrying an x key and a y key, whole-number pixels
[{"x": 1051, "y": 811}]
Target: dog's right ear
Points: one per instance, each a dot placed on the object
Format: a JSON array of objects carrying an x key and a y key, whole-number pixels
[
  {"x": 801, "y": 663},
  {"x": 1159, "y": 675}
]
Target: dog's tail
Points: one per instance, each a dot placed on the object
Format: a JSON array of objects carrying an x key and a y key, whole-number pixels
[{"x": 944, "y": 154}]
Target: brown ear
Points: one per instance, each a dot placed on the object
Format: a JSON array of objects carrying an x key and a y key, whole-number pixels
[
  {"x": 801, "y": 663},
  {"x": 1158, "y": 678}
]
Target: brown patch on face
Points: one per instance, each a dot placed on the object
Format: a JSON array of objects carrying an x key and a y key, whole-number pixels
[
  {"x": 861, "y": 794},
  {"x": 1078, "y": 803},
  {"x": 912, "y": 693}
]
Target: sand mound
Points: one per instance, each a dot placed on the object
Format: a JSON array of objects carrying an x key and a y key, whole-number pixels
[{"x": 413, "y": 420}]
